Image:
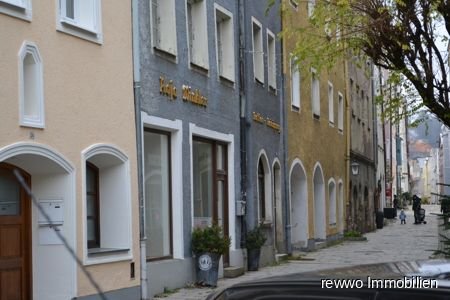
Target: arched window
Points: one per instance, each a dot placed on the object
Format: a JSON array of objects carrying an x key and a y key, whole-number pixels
[
  {"x": 31, "y": 87},
  {"x": 331, "y": 203},
  {"x": 261, "y": 191}
]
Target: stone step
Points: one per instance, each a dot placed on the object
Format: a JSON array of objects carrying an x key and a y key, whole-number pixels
[
  {"x": 320, "y": 245},
  {"x": 281, "y": 257},
  {"x": 232, "y": 272}
]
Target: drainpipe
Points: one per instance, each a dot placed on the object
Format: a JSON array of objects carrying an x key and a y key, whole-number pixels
[
  {"x": 243, "y": 122},
  {"x": 137, "y": 107},
  {"x": 348, "y": 145},
  {"x": 285, "y": 149}
]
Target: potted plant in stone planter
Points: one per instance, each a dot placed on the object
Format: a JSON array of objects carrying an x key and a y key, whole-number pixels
[
  {"x": 208, "y": 245},
  {"x": 254, "y": 241}
]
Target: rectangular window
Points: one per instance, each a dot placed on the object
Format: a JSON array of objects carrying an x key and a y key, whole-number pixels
[
  {"x": 340, "y": 112},
  {"x": 258, "y": 52},
  {"x": 164, "y": 34},
  {"x": 157, "y": 187},
  {"x": 330, "y": 103},
  {"x": 82, "y": 14},
  {"x": 210, "y": 183},
  {"x": 225, "y": 43},
  {"x": 271, "y": 59},
  {"x": 311, "y": 5},
  {"x": 197, "y": 33},
  {"x": 295, "y": 85},
  {"x": 315, "y": 93}
]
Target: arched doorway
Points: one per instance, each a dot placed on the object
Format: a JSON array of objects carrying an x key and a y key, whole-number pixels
[
  {"x": 319, "y": 204},
  {"x": 52, "y": 182},
  {"x": 15, "y": 235},
  {"x": 299, "y": 205}
]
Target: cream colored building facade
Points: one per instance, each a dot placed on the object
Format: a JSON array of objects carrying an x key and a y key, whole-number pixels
[
  {"x": 317, "y": 137},
  {"x": 67, "y": 123}
]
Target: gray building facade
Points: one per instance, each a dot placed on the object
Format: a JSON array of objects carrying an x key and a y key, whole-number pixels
[
  {"x": 263, "y": 133},
  {"x": 190, "y": 132}
]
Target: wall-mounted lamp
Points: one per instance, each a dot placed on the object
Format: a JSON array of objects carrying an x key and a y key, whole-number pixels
[{"x": 355, "y": 168}]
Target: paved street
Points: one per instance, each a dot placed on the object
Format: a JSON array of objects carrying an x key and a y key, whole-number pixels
[{"x": 395, "y": 242}]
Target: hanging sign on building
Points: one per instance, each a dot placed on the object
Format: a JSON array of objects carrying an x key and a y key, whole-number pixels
[{"x": 167, "y": 88}]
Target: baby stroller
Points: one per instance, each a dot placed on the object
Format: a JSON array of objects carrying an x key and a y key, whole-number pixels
[{"x": 422, "y": 216}]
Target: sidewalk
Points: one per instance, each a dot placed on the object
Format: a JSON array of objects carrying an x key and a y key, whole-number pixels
[{"x": 395, "y": 242}]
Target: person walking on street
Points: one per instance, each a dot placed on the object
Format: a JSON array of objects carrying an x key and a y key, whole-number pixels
[
  {"x": 402, "y": 217},
  {"x": 416, "y": 208}
]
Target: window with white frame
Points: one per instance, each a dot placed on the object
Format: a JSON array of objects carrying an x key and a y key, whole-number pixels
[
  {"x": 271, "y": 59},
  {"x": 330, "y": 103},
  {"x": 197, "y": 33},
  {"x": 157, "y": 191},
  {"x": 163, "y": 20},
  {"x": 315, "y": 93},
  {"x": 225, "y": 43},
  {"x": 340, "y": 112},
  {"x": 81, "y": 18},
  {"x": 31, "y": 92},
  {"x": 17, "y": 8},
  {"x": 258, "y": 52},
  {"x": 107, "y": 203},
  {"x": 295, "y": 85},
  {"x": 311, "y": 6},
  {"x": 332, "y": 203}
]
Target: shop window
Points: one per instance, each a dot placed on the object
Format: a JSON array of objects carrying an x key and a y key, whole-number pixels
[
  {"x": 157, "y": 191},
  {"x": 258, "y": 52},
  {"x": 340, "y": 112},
  {"x": 210, "y": 178},
  {"x": 81, "y": 18},
  {"x": 17, "y": 8},
  {"x": 107, "y": 205},
  {"x": 31, "y": 94},
  {"x": 198, "y": 34},
  {"x": 332, "y": 203},
  {"x": 163, "y": 20},
  {"x": 315, "y": 94},
  {"x": 295, "y": 85},
  {"x": 330, "y": 103},
  {"x": 225, "y": 43}
]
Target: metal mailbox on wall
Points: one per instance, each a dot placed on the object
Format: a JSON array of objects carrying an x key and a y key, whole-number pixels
[{"x": 54, "y": 209}]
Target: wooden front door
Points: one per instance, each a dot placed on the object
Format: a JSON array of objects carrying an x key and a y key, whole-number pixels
[{"x": 15, "y": 237}]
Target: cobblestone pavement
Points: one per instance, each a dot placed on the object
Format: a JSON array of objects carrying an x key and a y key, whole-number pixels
[{"x": 395, "y": 242}]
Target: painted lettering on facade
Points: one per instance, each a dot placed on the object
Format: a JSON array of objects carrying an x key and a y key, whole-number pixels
[
  {"x": 167, "y": 88},
  {"x": 257, "y": 117},
  {"x": 194, "y": 96}
]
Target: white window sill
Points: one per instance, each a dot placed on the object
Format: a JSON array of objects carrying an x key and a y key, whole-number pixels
[
  {"x": 69, "y": 27},
  {"x": 295, "y": 108},
  {"x": 15, "y": 10},
  {"x": 32, "y": 124},
  {"x": 69, "y": 22},
  {"x": 107, "y": 255}
]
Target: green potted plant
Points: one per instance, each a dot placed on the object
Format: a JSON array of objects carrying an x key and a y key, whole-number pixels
[
  {"x": 254, "y": 241},
  {"x": 208, "y": 245}
]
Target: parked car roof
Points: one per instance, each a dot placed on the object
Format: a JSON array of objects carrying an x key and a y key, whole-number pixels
[{"x": 310, "y": 285}]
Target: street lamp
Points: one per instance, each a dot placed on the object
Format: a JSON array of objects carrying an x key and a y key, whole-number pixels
[{"x": 355, "y": 168}]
